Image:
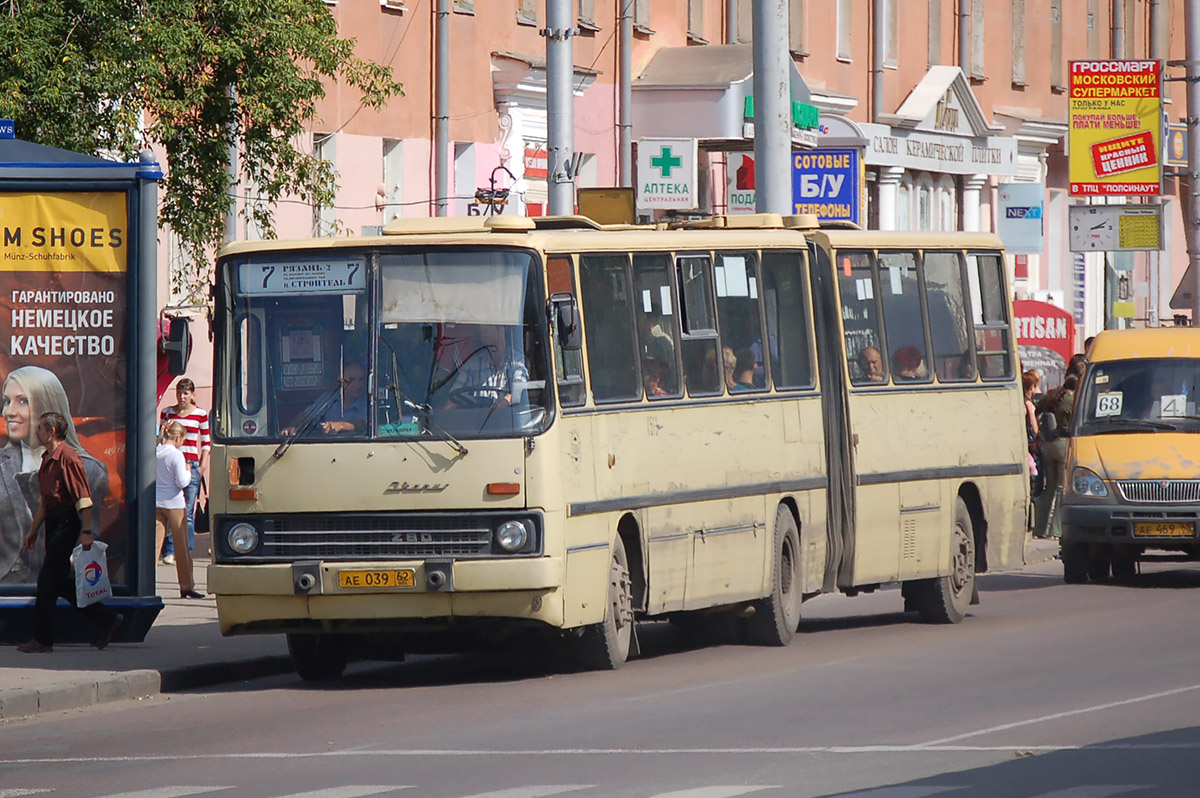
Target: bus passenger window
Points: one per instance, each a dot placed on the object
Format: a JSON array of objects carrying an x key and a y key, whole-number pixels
[
  {"x": 568, "y": 364},
  {"x": 736, "y": 280},
  {"x": 902, "y": 316},
  {"x": 787, "y": 319},
  {"x": 608, "y": 327},
  {"x": 989, "y": 308},
  {"x": 656, "y": 328},
  {"x": 946, "y": 302},
  {"x": 860, "y": 319},
  {"x": 701, "y": 369}
]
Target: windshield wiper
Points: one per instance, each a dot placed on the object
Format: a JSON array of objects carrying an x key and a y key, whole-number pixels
[
  {"x": 317, "y": 411},
  {"x": 422, "y": 410},
  {"x": 1136, "y": 422}
]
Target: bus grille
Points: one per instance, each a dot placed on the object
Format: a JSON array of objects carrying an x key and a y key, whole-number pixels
[
  {"x": 1161, "y": 491},
  {"x": 364, "y": 538}
]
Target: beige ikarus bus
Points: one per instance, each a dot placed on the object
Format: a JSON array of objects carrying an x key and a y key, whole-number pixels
[{"x": 465, "y": 429}]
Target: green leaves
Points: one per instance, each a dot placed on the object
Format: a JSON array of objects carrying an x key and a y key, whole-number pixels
[{"x": 113, "y": 77}]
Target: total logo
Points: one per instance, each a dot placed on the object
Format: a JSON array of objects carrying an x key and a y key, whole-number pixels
[{"x": 92, "y": 573}]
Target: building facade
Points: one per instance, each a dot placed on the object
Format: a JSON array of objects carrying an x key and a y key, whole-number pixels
[{"x": 942, "y": 122}]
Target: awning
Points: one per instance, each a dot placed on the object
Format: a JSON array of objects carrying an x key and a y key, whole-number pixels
[{"x": 700, "y": 93}]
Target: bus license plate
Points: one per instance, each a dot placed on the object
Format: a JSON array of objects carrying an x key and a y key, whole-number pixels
[
  {"x": 1164, "y": 529},
  {"x": 401, "y": 577}
]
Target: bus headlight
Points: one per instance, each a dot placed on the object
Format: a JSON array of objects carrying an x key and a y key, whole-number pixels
[
  {"x": 242, "y": 538},
  {"x": 1086, "y": 483},
  {"x": 512, "y": 535}
]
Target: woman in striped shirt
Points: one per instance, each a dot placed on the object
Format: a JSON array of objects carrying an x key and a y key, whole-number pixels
[{"x": 196, "y": 447}]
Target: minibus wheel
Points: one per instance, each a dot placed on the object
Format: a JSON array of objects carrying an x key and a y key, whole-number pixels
[
  {"x": 1124, "y": 563},
  {"x": 317, "y": 657},
  {"x": 776, "y": 617},
  {"x": 946, "y": 598},
  {"x": 605, "y": 645},
  {"x": 1099, "y": 564},
  {"x": 1075, "y": 563}
]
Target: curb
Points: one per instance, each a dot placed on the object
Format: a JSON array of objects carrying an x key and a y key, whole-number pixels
[{"x": 107, "y": 688}]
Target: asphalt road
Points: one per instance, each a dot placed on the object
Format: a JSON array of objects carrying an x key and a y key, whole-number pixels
[{"x": 1045, "y": 690}]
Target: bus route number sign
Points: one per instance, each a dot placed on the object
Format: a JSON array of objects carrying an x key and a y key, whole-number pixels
[{"x": 312, "y": 277}]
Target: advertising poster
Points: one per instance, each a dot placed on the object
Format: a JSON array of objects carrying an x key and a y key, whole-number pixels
[
  {"x": 1045, "y": 339},
  {"x": 63, "y": 345},
  {"x": 1020, "y": 217},
  {"x": 1115, "y": 128},
  {"x": 828, "y": 184}
]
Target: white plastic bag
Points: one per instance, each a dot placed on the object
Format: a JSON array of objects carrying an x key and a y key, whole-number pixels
[{"x": 91, "y": 574}]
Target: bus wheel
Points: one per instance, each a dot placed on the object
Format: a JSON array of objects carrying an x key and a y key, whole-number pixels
[
  {"x": 605, "y": 645},
  {"x": 1075, "y": 563},
  {"x": 946, "y": 599},
  {"x": 776, "y": 617},
  {"x": 1099, "y": 564},
  {"x": 1124, "y": 564},
  {"x": 316, "y": 657}
]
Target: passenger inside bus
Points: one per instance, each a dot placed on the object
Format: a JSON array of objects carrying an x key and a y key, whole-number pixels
[
  {"x": 479, "y": 369},
  {"x": 870, "y": 361},
  {"x": 908, "y": 363},
  {"x": 345, "y": 412},
  {"x": 743, "y": 372}
]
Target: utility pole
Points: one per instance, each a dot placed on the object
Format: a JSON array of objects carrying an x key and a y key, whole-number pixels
[
  {"x": 1191, "y": 24},
  {"x": 772, "y": 108},
  {"x": 231, "y": 169},
  {"x": 626, "y": 77},
  {"x": 560, "y": 116},
  {"x": 441, "y": 108}
]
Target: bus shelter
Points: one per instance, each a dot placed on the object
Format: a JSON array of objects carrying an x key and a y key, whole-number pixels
[{"x": 78, "y": 336}]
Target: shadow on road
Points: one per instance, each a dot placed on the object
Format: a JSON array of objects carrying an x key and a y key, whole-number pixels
[{"x": 1161, "y": 764}]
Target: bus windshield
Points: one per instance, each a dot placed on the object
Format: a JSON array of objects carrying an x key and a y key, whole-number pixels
[
  {"x": 1141, "y": 395},
  {"x": 405, "y": 344}
]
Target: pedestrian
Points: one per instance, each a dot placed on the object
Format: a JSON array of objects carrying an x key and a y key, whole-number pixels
[
  {"x": 1060, "y": 402},
  {"x": 197, "y": 445},
  {"x": 173, "y": 475},
  {"x": 1031, "y": 384},
  {"x": 65, "y": 509}
]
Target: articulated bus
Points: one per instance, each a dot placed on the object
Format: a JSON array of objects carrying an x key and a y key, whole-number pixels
[{"x": 467, "y": 428}]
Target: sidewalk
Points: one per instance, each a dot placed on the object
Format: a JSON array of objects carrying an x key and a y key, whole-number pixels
[{"x": 183, "y": 650}]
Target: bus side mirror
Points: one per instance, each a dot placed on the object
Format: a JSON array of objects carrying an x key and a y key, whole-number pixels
[
  {"x": 178, "y": 346},
  {"x": 565, "y": 315}
]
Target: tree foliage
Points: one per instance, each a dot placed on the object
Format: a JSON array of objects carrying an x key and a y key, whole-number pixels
[{"x": 112, "y": 77}]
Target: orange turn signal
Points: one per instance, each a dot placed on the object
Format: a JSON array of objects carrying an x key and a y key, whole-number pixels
[
  {"x": 243, "y": 494},
  {"x": 503, "y": 488}
]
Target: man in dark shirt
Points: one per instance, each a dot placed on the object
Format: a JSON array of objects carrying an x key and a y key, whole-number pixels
[{"x": 66, "y": 510}]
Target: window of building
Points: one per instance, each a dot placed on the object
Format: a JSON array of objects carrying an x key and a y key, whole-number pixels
[
  {"x": 1093, "y": 29},
  {"x": 393, "y": 181},
  {"x": 695, "y": 20},
  {"x": 903, "y": 319},
  {"x": 891, "y": 23},
  {"x": 608, "y": 327},
  {"x": 641, "y": 16},
  {"x": 947, "y": 205},
  {"x": 935, "y": 32},
  {"x": 1057, "y": 83},
  {"x": 788, "y": 337},
  {"x": 977, "y": 40},
  {"x": 797, "y": 29},
  {"x": 924, "y": 202},
  {"x": 325, "y": 217},
  {"x": 989, "y": 311},
  {"x": 587, "y": 15},
  {"x": 904, "y": 199},
  {"x": 1018, "y": 42},
  {"x": 946, "y": 303},
  {"x": 860, "y": 319},
  {"x": 464, "y": 6},
  {"x": 845, "y": 35},
  {"x": 560, "y": 280},
  {"x": 736, "y": 279},
  {"x": 701, "y": 367},
  {"x": 527, "y": 12},
  {"x": 657, "y": 326},
  {"x": 464, "y": 176},
  {"x": 745, "y": 18}
]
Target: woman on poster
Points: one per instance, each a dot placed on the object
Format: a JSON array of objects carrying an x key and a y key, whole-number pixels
[{"x": 29, "y": 392}]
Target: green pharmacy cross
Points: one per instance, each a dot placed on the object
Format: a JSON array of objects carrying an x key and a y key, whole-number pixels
[{"x": 666, "y": 161}]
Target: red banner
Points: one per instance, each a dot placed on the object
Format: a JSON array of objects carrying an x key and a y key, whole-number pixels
[{"x": 1045, "y": 339}]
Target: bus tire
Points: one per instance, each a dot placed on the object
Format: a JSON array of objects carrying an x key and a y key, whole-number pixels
[
  {"x": 317, "y": 657},
  {"x": 605, "y": 645},
  {"x": 946, "y": 598},
  {"x": 1075, "y": 563},
  {"x": 777, "y": 616},
  {"x": 1099, "y": 564},
  {"x": 1124, "y": 564}
]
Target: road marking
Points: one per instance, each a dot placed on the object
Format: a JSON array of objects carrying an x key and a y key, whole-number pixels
[
  {"x": 350, "y": 791},
  {"x": 901, "y": 792},
  {"x": 714, "y": 792},
  {"x": 1093, "y": 791},
  {"x": 17, "y": 793},
  {"x": 1059, "y": 715},
  {"x": 532, "y": 791},
  {"x": 167, "y": 792}
]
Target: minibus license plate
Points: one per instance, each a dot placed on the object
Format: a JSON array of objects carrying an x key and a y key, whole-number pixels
[
  {"x": 401, "y": 577},
  {"x": 1158, "y": 529}
]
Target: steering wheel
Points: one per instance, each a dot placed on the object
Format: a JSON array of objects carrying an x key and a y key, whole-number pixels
[{"x": 473, "y": 397}]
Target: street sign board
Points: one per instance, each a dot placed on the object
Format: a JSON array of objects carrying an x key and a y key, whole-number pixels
[
  {"x": 8, "y": 130},
  {"x": 828, "y": 184},
  {"x": 1115, "y": 128},
  {"x": 1175, "y": 150},
  {"x": 1020, "y": 217},
  {"x": 666, "y": 174}
]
